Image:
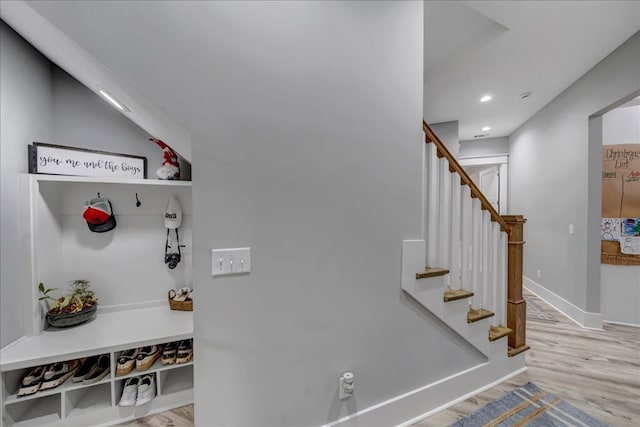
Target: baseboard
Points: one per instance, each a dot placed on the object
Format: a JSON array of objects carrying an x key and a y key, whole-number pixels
[
  {"x": 632, "y": 325},
  {"x": 582, "y": 318},
  {"x": 434, "y": 397}
]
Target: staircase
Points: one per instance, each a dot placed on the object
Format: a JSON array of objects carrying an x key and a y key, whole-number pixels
[{"x": 468, "y": 269}]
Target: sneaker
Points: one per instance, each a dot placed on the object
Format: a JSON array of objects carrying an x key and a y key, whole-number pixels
[
  {"x": 99, "y": 371},
  {"x": 126, "y": 361},
  {"x": 169, "y": 354},
  {"x": 146, "y": 389},
  {"x": 32, "y": 381},
  {"x": 185, "y": 351},
  {"x": 85, "y": 368},
  {"x": 130, "y": 392},
  {"x": 59, "y": 372},
  {"x": 147, "y": 357}
]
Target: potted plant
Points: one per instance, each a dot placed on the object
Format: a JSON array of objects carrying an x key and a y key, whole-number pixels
[{"x": 76, "y": 307}]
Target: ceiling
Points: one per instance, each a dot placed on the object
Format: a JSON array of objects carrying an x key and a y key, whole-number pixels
[
  {"x": 472, "y": 48},
  {"x": 506, "y": 48}
]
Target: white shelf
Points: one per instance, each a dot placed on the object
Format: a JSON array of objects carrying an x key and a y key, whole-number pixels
[
  {"x": 102, "y": 180},
  {"x": 108, "y": 332}
]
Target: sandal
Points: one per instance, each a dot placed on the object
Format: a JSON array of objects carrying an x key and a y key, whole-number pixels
[
  {"x": 170, "y": 353},
  {"x": 185, "y": 351}
]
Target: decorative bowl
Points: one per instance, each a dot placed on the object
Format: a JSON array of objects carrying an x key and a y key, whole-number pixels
[{"x": 66, "y": 320}]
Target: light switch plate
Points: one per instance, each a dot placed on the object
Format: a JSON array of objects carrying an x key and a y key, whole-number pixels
[{"x": 225, "y": 262}]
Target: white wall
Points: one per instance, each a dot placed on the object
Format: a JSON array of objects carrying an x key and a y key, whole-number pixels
[
  {"x": 555, "y": 181},
  {"x": 26, "y": 99},
  {"x": 317, "y": 167},
  {"x": 484, "y": 147},
  {"x": 448, "y": 134},
  {"x": 620, "y": 285}
]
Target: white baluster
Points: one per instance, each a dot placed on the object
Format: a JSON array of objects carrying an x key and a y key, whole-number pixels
[
  {"x": 476, "y": 255},
  {"x": 455, "y": 248},
  {"x": 484, "y": 266},
  {"x": 466, "y": 236},
  {"x": 498, "y": 297},
  {"x": 444, "y": 204},
  {"x": 432, "y": 211},
  {"x": 503, "y": 261}
]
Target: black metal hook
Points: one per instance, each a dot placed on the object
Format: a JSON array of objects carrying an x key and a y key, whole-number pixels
[{"x": 138, "y": 202}]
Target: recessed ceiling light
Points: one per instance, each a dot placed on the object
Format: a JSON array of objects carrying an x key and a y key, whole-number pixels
[
  {"x": 113, "y": 100},
  {"x": 486, "y": 98},
  {"x": 486, "y": 128},
  {"x": 525, "y": 95}
]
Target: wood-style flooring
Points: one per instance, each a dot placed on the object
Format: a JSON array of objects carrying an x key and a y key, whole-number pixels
[{"x": 596, "y": 371}]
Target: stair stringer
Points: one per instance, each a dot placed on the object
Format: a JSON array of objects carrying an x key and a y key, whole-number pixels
[{"x": 429, "y": 293}]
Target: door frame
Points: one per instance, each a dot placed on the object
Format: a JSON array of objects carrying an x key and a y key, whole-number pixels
[{"x": 502, "y": 160}]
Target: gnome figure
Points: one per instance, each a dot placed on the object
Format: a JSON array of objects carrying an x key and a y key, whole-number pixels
[{"x": 170, "y": 168}]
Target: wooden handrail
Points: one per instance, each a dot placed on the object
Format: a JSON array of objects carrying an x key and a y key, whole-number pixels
[{"x": 454, "y": 166}]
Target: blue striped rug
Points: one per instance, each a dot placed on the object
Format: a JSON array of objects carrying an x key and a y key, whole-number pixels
[{"x": 528, "y": 406}]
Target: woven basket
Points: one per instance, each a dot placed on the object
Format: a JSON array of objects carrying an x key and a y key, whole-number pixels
[{"x": 179, "y": 305}]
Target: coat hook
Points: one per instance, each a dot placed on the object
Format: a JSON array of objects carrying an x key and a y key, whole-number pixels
[
  {"x": 138, "y": 203},
  {"x": 98, "y": 195}
]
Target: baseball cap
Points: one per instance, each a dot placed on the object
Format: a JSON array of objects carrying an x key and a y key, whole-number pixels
[
  {"x": 173, "y": 213},
  {"x": 99, "y": 215}
]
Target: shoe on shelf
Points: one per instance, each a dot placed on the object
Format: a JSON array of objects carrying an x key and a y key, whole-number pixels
[
  {"x": 169, "y": 353},
  {"x": 146, "y": 389},
  {"x": 126, "y": 361},
  {"x": 185, "y": 351},
  {"x": 86, "y": 366},
  {"x": 100, "y": 369},
  {"x": 147, "y": 357},
  {"x": 32, "y": 381},
  {"x": 130, "y": 392},
  {"x": 59, "y": 372}
]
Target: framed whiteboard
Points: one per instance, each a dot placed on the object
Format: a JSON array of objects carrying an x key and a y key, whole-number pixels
[{"x": 60, "y": 160}]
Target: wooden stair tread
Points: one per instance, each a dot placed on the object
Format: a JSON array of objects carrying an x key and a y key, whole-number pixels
[
  {"x": 456, "y": 294},
  {"x": 497, "y": 332},
  {"x": 432, "y": 272},
  {"x": 479, "y": 314},
  {"x": 514, "y": 351}
]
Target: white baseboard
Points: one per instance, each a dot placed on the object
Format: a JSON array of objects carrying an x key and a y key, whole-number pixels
[
  {"x": 433, "y": 397},
  {"x": 584, "y": 319},
  {"x": 633, "y": 325}
]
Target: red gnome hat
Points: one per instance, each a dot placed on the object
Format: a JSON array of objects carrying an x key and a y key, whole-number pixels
[{"x": 170, "y": 168}]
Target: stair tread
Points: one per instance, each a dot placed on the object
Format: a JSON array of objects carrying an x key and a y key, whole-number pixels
[
  {"x": 475, "y": 315},
  {"x": 515, "y": 351},
  {"x": 432, "y": 272},
  {"x": 456, "y": 294},
  {"x": 497, "y": 332}
]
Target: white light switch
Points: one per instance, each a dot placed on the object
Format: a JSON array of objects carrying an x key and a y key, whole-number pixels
[
  {"x": 225, "y": 262},
  {"x": 570, "y": 228}
]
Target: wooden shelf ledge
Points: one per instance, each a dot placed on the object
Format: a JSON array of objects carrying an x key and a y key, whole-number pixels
[
  {"x": 456, "y": 294},
  {"x": 515, "y": 351},
  {"x": 479, "y": 314},
  {"x": 432, "y": 272},
  {"x": 497, "y": 332}
]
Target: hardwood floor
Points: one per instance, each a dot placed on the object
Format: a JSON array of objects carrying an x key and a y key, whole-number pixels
[{"x": 596, "y": 371}]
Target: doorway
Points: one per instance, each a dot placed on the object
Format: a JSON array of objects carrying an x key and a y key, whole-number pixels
[{"x": 490, "y": 175}]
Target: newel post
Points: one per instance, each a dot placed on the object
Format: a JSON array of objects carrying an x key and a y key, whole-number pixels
[{"x": 516, "y": 305}]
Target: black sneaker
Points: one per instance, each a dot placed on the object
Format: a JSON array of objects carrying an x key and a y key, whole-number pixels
[
  {"x": 99, "y": 371},
  {"x": 85, "y": 368}
]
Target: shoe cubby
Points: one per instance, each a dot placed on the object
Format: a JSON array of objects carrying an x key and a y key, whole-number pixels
[
  {"x": 133, "y": 310},
  {"x": 172, "y": 381}
]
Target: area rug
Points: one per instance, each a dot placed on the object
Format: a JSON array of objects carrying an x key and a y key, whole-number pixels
[
  {"x": 536, "y": 312},
  {"x": 528, "y": 406}
]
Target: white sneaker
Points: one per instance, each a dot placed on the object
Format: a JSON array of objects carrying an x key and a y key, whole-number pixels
[
  {"x": 130, "y": 392},
  {"x": 146, "y": 389}
]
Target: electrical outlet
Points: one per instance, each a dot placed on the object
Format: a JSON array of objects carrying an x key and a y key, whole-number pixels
[
  {"x": 570, "y": 228},
  {"x": 539, "y": 274},
  {"x": 225, "y": 262}
]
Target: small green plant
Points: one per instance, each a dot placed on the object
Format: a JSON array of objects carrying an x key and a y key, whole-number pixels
[{"x": 44, "y": 293}]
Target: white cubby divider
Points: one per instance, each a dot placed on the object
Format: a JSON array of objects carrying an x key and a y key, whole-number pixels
[{"x": 127, "y": 271}]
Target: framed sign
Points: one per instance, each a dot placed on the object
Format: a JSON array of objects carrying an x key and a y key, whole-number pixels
[{"x": 60, "y": 160}]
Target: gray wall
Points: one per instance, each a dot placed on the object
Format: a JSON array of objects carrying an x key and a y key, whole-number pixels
[
  {"x": 555, "y": 179},
  {"x": 319, "y": 172},
  {"x": 620, "y": 287},
  {"x": 26, "y": 100},
  {"x": 448, "y": 134},
  {"x": 484, "y": 147}
]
